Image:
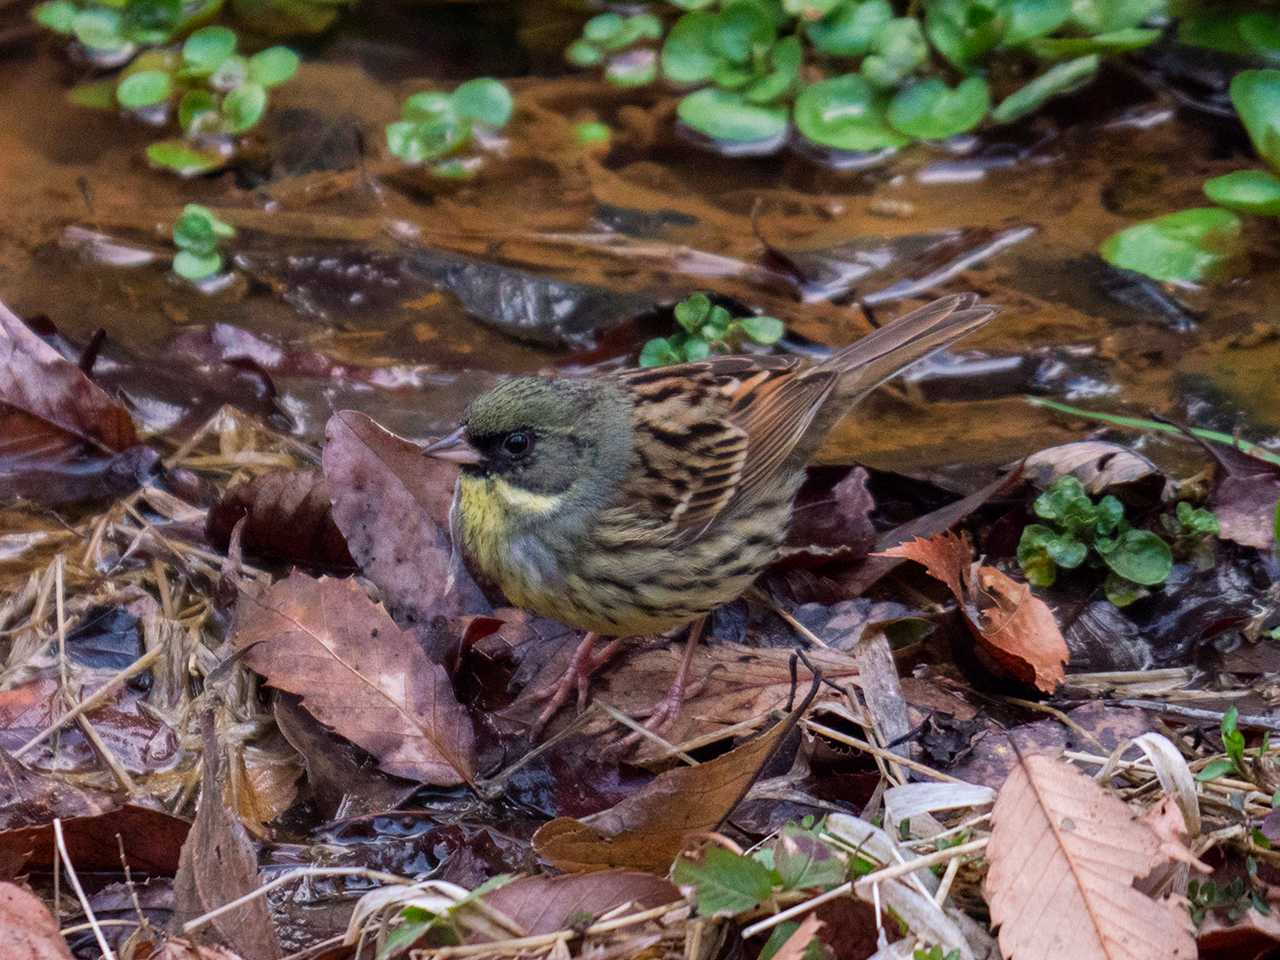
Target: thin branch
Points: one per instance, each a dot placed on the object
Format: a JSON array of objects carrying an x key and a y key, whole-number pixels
[{"x": 61, "y": 842}]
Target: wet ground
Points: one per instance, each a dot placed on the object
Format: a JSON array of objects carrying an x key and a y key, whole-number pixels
[{"x": 369, "y": 286}]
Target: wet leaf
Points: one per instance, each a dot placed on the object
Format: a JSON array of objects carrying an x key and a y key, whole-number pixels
[
  {"x": 648, "y": 829},
  {"x": 687, "y": 58},
  {"x": 1058, "y": 79},
  {"x": 834, "y": 521},
  {"x": 56, "y": 15},
  {"x": 196, "y": 266},
  {"x": 848, "y": 30},
  {"x": 392, "y": 505},
  {"x": 99, "y": 28},
  {"x": 144, "y": 89},
  {"x": 184, "y": 159},
  {"x": 1256, "y": 95},
  {"x": 484, "y": 100},
  {"x": 1028, "y": 19},
  {"x": 845, "y": 113},
  {"x": 218, "y": 865},
  {"x": 804, "y": 862},
  {"x": 1105, "y": 16},
  {"x": 1118, "y": 41},
  {"x": 1246, "y": 191},
  {"x": 930, "y": 110},
  {"x": 273, "y": 66},
  {"x": 725, "y": 883},
  {"x": 243, "y": 107},
  {"x": 289, "y": 518},
  {"x": 726, "y": 115},
  {"x": 28, "y": 931},
  {"x": 359, "y": 673},
  {"x": 541, "y": 905},
  {"x": 1140, "y": 556},
  {"x": 1204, "y": 243},
  {"x": 206, "y": 49},
  {"x": 1048, "y": 825}
]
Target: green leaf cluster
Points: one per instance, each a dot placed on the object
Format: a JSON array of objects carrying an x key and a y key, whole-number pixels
[
  {"x": 117, "y": 27},
  {"x": 436, "y": 128},
  {"x": 1235, "y": 897},
  {"x": 1078, "y": 529},
  {"x": 726, "y": 884},
  {"x": 197, "y": 234},
  {"x": 859, "y": 75},
  {"x": 707, "y": 328},
  {"x": 935, "y": 953},
  {"x": 1207, "y": 243}
]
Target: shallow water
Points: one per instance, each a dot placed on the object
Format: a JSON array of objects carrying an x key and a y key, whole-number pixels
[{"x": 362, "y": 282}]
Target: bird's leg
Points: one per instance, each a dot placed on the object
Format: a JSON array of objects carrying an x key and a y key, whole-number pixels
[
  {"x": 577, "y": 675},
  {"x": 667, "y": 709}
]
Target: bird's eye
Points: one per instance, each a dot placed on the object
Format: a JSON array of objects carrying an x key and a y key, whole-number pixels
[{"x": 517, "y": 444}]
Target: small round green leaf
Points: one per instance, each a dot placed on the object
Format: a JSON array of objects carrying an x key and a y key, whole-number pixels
[
  {"x": 657, "y": 353},
  {"x": 1261, "y": 31},
  {"x": 1204, "y": 243},
  {"x": 787, "y": 56},
  {"x": 205, "y": 50},
  {"x": 602, "y": 29},
  {"x": 193, "y": 230},
  {"x": 847, "y": 114},
  {"x": 1105, "y": 16},
  {"x": 692, "y": 312},
  {"x": 1141, "y": 556},
  {"x": 194, "y": 266},
  {"x": 99, "y": 29},
  {"x": 1057, "y": 79},
  {"x": 1028, "y": 19},
  {"x": 151, "y": 21},
  {"x": 696, "y": 349},
  {"x": 273, "y": 66},
  {"x": 763, "y": 330},
  {"x": 741, "y": 29},
  {"x": 1256, "y": 95},
  {"x": 1246, "y": 191},
  {"x": 687, "y": 57},
  {"x": 634, "y": 68},
  {"x": 962, "y": 30},
  {"x": 583, "y": 54},
  {"x": 484, "y": 100},
  {"x": 419, "y": 142},
  {"x": 56, "y": 15},
  {"x": 726, "y": 116},
  {"x": 930, "y": 110},
  {"x": 898, "y": 48},
  {"x": 231, "y": 73},
  {"x": 193, "y": 105},
  {"x": 847, "y": 31},
  {"x": 427, "y": 105},
  {"x": 146, "y": 88},
  {"x": 592, "y": 132},
  {"x": 96, "y": 94},
  {"x": 243, "y": 107},
  {"x": 183, "y": 159}
]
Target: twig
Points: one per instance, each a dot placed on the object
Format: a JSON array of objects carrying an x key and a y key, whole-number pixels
[
  {"x": 508, "y": 947},
  {"x": 768, "y": 923},
  {"x": 854, "y": 742},
  {"x": 797, "y": 626},
  {"x": 289, "y": 877},
  {"x": 671, "y": 750},
  {"x": 1252, "y": 720},
  {"x": 106, "y": 756},
  {"x": 94, "y": 700},
  {"x": 1058, "y": 715},
  {"x": 910, "y": 866},
  {"x": 107, "y": 953}
]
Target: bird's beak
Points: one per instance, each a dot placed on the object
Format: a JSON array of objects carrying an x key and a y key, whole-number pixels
[{"x": 455, "y": 448}]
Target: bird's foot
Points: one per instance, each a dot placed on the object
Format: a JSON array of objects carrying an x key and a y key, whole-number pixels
[
  {"x": 666, "y": 710},
  {"x": 577, "y": 676}
]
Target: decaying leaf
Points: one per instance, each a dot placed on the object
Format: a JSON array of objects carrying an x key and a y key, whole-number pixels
[
  {"x": 648, "y": 829},
  {"x": 392, "y": 504},
  {"x": 177, "y": 948},
  {"x": 219, "y": 864},
  {"x": 1095, "y": 463},
  {"x": 358, "y": 673},
  {"x": 1064, "y": 855},
  {"x": 832, "y": 522},
  {"x": 540, "y": 905},
  {"x": 28, "y": 931},
  {"x": 796, "y": 946},
  {"x": 288, "y": 518},
  {"x": 1014, "y": 626}
]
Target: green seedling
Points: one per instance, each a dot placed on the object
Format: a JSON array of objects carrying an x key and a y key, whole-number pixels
[
  {"x": 708, "y": 328},
  {"x": 197, "y": 234},
  {"x": 439, "y": 130}
]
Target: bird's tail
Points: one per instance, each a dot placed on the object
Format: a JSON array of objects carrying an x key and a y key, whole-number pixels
[{"x": 883, "y": 354}]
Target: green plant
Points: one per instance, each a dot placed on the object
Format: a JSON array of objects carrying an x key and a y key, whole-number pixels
[
  {"x": 1236, "y": 897},
  {"x": 436, "y": 128},
  {"x": 1207, "y": 243},
  {"x": 197, "y": 234},
  {"x": 1232, "y": 746},
  {"x": 707, "y": 328},
  {"x": 1192, "y": 531},
  {"x": 1078, "y": 529},
  {"x": 860, "y": 75},
  {"x": 935, "y": 953},
  {"x": 111, "y": 31}
]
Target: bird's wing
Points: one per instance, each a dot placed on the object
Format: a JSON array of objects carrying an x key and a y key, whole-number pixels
[{"x": 713, "y": 432}]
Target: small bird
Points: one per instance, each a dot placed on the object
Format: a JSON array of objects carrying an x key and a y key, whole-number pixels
[{"x": 633, "y": 502}]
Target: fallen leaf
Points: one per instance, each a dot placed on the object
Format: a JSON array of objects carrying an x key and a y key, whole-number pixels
[
  {"x": 339, "y": 782},
  {"x": 1096, "y": 464},
  {"x": 1063, "y": 856},
  {"x": 1254, "y": 936},
  {"x": 28, "y": 931},
  {"x": 648, "y": 829},
  {"x": 541, "y": 905},
  {"x": 289, "y": 519},
  {"x": 796, "y": 946},
  {"x": 91, "y": 822},
  {"x": 1014, "y": 626},
  {"x": 39, "y": 381},
  {"x": 358, "y": 673},
  {"x": 831, "y": 522},
  {"x": 218, "y": 864},
  {"x": 392, "y": 505},
  {"x": 1246, "y": 509},
  {"x": 176, "y": 948}
]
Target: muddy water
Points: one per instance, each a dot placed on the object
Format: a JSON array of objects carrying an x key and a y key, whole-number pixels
[{"x": 365, "y": 285}]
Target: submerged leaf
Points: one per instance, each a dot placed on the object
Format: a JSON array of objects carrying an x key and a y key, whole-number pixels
[
  {"x": 1246, "y": 191},
  {"x": 1204, "y": 243},
  {"x": 845, "y": 113},
  {"x": 728, "y": 116}
]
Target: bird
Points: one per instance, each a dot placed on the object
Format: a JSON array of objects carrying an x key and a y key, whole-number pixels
[{"x": 632, "y": 502}]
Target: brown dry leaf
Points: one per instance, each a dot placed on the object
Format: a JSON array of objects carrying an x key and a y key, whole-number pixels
[
  {"x": 541, "y": 905},
  {"x": 832, "y": 522},
  {"x": 288, "y": 518},
  {"x": 392, "y": 504},
  {"x": 1255, "y": 936},
  {"x": 28, "y": 931},
  {"x": 360, "y": 674},
  {"x": 39, "y": 381},
  {"x": 740, "y": 683},
  {"x": 91, "y": 822},
  {"x": 1014, "y": 626},
  {"x": 648, "y": 829},
  {"x": 176, "y": 948},
  {"x": 796, "y": 946},
  {"x": 219, "y": 864},
  {"x": 1064, "y": 854}
]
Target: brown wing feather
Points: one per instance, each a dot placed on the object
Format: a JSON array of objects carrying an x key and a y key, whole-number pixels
[{"x": 717, "y": 431}]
